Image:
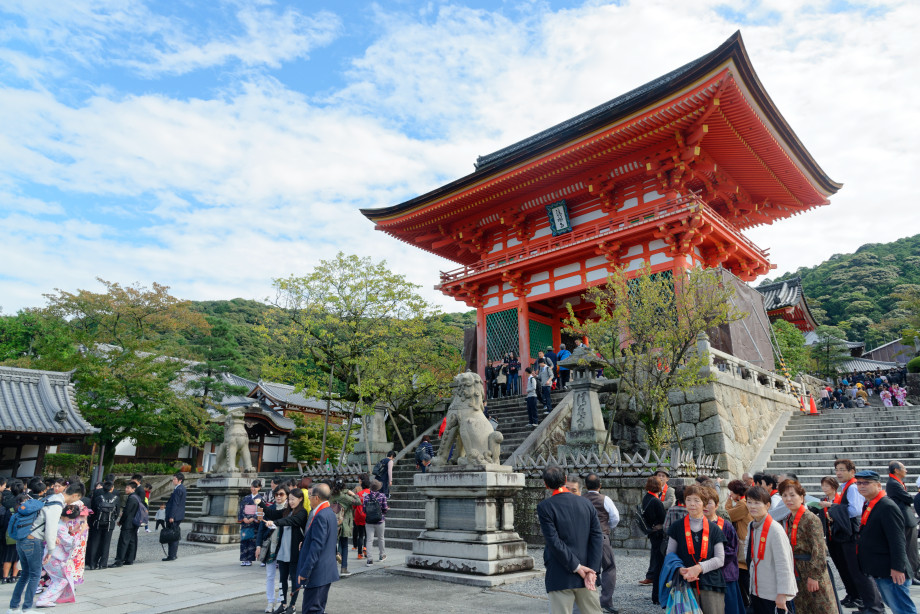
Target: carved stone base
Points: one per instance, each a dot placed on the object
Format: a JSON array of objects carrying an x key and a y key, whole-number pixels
[
  {"x": 469, "y": 522},
  {"x": 222, "y": 494}
]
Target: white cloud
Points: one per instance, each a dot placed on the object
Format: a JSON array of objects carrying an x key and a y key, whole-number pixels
[{"x": 260, "y": 180}]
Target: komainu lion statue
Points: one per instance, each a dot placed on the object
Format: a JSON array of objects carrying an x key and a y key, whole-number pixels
[
  {"x": 477, "y": 443},
  {"x": 233, "y": 453}
]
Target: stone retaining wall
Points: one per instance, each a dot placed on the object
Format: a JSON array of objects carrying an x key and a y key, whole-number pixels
[{"x": 730, "y": 418}]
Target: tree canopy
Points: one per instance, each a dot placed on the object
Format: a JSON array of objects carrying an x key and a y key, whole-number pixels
[{"x": 647, "y": 328}]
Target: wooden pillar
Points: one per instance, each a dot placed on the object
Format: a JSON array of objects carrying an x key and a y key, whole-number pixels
[
  {"x": 523, "y": 333},
  {"x": 481, "y": 342}
]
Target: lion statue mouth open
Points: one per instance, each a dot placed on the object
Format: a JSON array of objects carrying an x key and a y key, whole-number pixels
[{"x": 477, "y": 443}]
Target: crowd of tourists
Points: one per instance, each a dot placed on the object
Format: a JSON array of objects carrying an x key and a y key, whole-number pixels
[
  {"x": 766, "y": 547},
  {"x": 51, "y": 532},
  {"x": 506, "y": 378},
  {"x": 275, "y": 527},
  {"x": 854, "y": 389}
]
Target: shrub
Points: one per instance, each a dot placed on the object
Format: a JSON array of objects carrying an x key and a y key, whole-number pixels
[
  {"x": 68, "y": 464},
  {"x": 146, "y": 468},
  {"x": 914, "y": 365}
]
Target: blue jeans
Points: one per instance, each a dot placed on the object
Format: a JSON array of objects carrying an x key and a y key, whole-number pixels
[
  {"x": 896, "y": 596},
  {"x": 30, "y": 564},
  {"x": 514, "y": 384}
]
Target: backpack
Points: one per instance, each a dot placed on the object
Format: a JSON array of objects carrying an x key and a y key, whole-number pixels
[
  {"x": 339, "y": 510},
  {"x": 381, "y": 468},
  {"x": 141, "y": 516},
  {"x": 641, "y": 523},
  {"x": 24, "y": 517},
  {"x": 106, "y": 512},
  {"x": 373, "y": 513}
]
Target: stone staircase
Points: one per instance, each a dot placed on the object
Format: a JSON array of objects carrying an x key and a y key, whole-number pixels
[
  {"x": 871, "y": 437},
  {"x": 194, "y": 499},
  {"x": 511, "y": 415}
]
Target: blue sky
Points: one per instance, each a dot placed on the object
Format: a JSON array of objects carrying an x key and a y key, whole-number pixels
[{"x": 213, "y": 146}]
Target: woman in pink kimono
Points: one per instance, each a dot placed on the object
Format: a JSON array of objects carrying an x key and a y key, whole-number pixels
[
  {"x": 885, "y": 396},
  {"x": 66, "y": 562}
]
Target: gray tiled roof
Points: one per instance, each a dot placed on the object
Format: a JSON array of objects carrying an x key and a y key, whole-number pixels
[
  {"x": 286, "y": 394},
  {"x": 812, "y": 337},
  {"x": 781, "y": 294},
  {"x": 866, "y": 364},
  {"x": 33, "y": 401}
]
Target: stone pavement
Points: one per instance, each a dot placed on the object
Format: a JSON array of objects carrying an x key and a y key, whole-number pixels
[{"x": 206, "y": 581}]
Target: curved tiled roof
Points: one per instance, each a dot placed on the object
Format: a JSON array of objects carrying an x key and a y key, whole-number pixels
[
  {"x": 866, "y": 364},
  {"x": 33, "y": 401},
  {"x": 781, "y": 294}
]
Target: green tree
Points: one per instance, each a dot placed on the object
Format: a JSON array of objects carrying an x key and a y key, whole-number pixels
[
  {"x": 830, "y": 351},
  {"x": 346, "y": 309},
  {"x": 306, "y": 440},
  {"x": 126, "y": 379},
  {"x": 216, "y": 349},
  {"x": 647, "y": 328},
  {"x": 791, "y": 343},
  {"x": 30, "y": 336}
]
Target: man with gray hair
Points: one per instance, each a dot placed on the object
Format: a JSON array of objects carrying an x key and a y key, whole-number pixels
[
  {"x": 317, "y": 568},
  {"x": 897, "y": 492}
]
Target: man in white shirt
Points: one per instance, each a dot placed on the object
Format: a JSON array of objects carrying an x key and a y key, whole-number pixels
[{"x": 609, "y": 517}]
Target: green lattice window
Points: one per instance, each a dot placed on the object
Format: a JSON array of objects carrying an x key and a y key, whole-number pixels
[
  {"x": 501, "y": 334},
  {"x": 541, "y": 337}
]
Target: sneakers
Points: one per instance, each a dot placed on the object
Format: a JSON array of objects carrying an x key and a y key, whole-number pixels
[
  {"x": 365, "y": 551},
  {"x": 370, "y": 561},
  {"x": 344, "y": 573},
  {"x": 16, "y": 611},
  {"x": 360, "y": 556},
  {"x": 383, "y": 557}
]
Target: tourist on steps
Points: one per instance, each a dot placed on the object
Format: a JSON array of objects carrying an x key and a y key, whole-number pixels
[
  {"x": 531, "y": 398},
  {"x": 816, "y": 591},
  {"x": 545, "y": 377}
]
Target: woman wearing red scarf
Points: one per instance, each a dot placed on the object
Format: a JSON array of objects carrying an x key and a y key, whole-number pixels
[
  {"x": 700, "y": 545},
  {"x": 771, "y": 569},
  {"x": 816, "y": 592}
]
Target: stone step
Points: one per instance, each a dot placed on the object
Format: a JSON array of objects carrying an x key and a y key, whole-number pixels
[
  {"x": 405, "y": 522},
  {"x": 877, "y": 422},
  {"x": 886, "y": 446}
]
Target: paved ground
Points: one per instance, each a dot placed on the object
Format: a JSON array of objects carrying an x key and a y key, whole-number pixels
[{"x": 208, "y": 581}]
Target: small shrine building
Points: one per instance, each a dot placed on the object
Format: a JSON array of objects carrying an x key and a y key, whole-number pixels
[{"x": 671, "y": 173}]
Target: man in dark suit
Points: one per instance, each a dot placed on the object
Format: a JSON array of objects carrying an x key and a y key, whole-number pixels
[
  {"x": 127, "y": 539},
  {"x": 897, "y": 491},
  {"x": 880, "y": 544},
  {"x": 317, "y": 569},
  {"x": 175, "y": 511},
  {"x": 574, "y": 546}
]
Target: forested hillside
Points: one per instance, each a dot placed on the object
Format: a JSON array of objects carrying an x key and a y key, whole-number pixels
[
  {"x": 860, "y": 292},
  {"x": 251, "y": 328}
]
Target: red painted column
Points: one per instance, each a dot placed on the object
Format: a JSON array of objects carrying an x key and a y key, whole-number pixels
[
  {"x": 523, "y": 333},
  {"x": 481, "y": 342}
]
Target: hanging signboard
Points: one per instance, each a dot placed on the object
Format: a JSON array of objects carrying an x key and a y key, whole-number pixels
[{"x": 559, "y": 218}]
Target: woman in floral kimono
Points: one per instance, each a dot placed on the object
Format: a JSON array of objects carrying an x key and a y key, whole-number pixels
[
  {"x": 816, "y": 594},
  {"x": 886, "y": 397},
  {"x": 66, "y": 563}
]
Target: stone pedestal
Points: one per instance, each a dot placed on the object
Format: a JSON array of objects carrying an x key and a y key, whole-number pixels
[
  {"x": 376, "y": 440},
  {"x": 469, "y": 526},
  {"x": 222, "y": 494}
]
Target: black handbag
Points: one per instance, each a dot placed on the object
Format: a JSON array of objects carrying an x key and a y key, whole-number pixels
[{"x": 170, "y": 534}]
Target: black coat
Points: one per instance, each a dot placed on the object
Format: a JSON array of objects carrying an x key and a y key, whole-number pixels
[
  {"x": 881, "y": 541},
  {"x": 175, "y": 507},
  {"x": 898, "y": 494},
  {"x": 295, "y": 523},
  {"x": 652, "y": 511},
  {"x": 572, "y": 536},
  {"x": 132, "y": 503}
]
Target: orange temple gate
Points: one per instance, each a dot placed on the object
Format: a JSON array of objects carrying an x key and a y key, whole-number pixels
[{"x": 670, "y": 173}]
